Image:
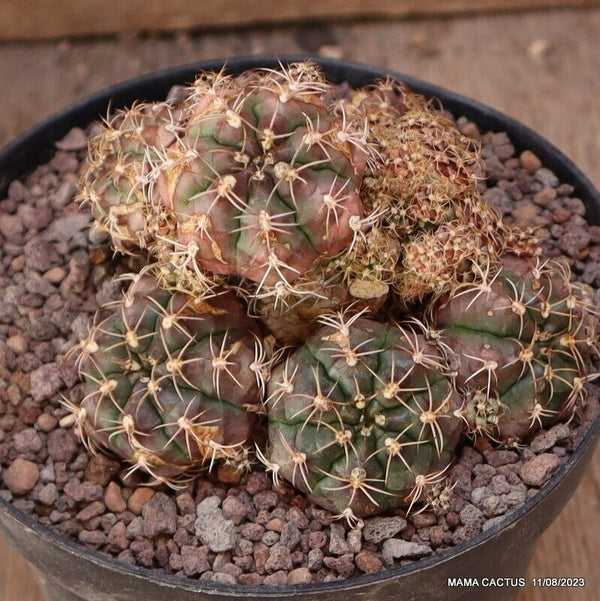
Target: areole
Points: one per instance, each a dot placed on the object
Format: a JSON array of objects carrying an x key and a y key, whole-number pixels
[{"x": 490, "y": 566}]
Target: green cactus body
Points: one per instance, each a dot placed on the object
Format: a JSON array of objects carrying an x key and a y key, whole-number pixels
[
  {"x": 171, "y": 384},
  {"x": 360, "y": 417},
  {"x": 522, "y": 338},
  {"x": 117, "y": 172},
  {"x": 265, "y": 180}
]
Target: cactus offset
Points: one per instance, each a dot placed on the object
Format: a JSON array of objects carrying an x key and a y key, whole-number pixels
[
  {"x": 522, "y": 335},
  {"x": 171, "y": 384},
  {"x": 117, "y": 176},
  {"x": 361, "y": 416},
  {"x": 264, "y": 181}
]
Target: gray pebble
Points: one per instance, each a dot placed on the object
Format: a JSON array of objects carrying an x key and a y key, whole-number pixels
[
  {"x": 378, "y": 529},
  {"x": 211, "y": 527},
  {"x": 396, "y": 548}
]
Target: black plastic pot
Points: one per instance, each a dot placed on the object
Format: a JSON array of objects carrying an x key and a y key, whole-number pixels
[{"x": 70, "y": 572}]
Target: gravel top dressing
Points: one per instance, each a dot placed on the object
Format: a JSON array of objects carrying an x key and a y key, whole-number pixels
[{"x": 55, "y": 272}]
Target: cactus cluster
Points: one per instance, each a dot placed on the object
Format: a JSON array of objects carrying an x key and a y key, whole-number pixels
[
  {"x": 361, "y": 417},
  {"x": 522, "y": 338},
  {"x": 349, "y": 226},
  {"x": 171, "y": 383}
]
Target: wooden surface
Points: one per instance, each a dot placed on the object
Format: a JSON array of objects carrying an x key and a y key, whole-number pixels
[
  {"x": 39, "y": 19},
  {"x": 541, "y": 67}
]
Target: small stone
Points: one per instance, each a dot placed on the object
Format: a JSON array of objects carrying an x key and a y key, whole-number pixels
[
  {"x": 314, "y": 560},
  {"x": 21, "y": 476},
  {"x": 529, "y": 161},
  {"x": 354, "y": 540},
  {"x": 471, "y": 515},
  {"x": 396, "y": 548},
  {"x": 545, "y": 440},
  {"x": 538, "y": 470},
  {"x": 159, "y": 515},
  {"x": 83, "y": 491},
  {"x": 76, "y": 139},
  {"x": 279, "y": 559},
  {"x": 11, "y": 227},
  {"x": 499, "y": 485},
  {"x": 423, "y": 520},
  {"x": 113, "y": 498},
  {"x": 17, "y": 344},
  {"x": 290, "y": 535},
  {"x": 479, "y": 494},
  {"x": 47, "y": 473},
  {"x": 297, "y": 517},
  {"x": 501, "y": 457},
  {"x": 265, "y": 500},
  {"x": 546, "y": 177},
  {"x": 465, "y": 533},
  {"x": 252, "y": 531},
  {"x": 270, "y": 537},
  {"x": 90, "y": 511},
  {"x": 139, "y": 497},
  {"x": 277, "y": 579},
  {"x": 379, "y": 529},
  {"x": 46, "y": 422},
  {"x": 299, "y": 576},
  {"x": 368, "y": 562},
  {"x": 48, "y": 494},
  {"x": 337, "y": 539},
  {"x": 344, "y": 565},
  {"x": 317, "y": 539},
  {"x": 143, "y": 550},
  {"x": 135, "y": 528},
  {"x": 185, "y": 504},
  {"x": 275, "y": 525},
  {"x": 117, "y": 537},
  {"x": 211, "y": 527},
  {"x": 45, "y": 381},
  {"x": 194, "y": 560},
  {"x": 27, "y": 441},
  {"x": 493, "y": 505},
  {"x": 492, "y": 522},
  {"x": 92, "y": 538},
  {"x": 101, "y": 469},
  {"x": 62, "y": 445}
]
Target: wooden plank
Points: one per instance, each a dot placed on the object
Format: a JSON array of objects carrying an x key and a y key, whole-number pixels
[{"x": 39, "y": 19}]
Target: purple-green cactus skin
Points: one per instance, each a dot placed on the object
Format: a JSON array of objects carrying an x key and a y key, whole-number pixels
[
  {"x": 171, "y": 384},
  {"x": 361, "y": 416},
  {"x": 522, "y": 337}
]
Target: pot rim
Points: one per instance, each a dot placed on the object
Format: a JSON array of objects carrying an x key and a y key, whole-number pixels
[{"x": 550, "y": 155}]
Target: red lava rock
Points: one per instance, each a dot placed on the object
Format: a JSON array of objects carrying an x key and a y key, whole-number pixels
[
  {"x": 46, "y": 422},
  {"x": 28, "y": 441},
  {"x": 101, "y": 469},
  {"x": 90, "y": 511},
  {"x": 234, "y": 509},
  {"x": 117, "y": 537},
  {"x": 21, "y": 476},
  {"x": 538, "y": 470},
  {"x": 194, "y": 560},
  {"x": 92, "y": 538},
  {"x": 501, "y": 457},
  {"x": 138, "y": 498},
  {"x": 159, "y": 515},
  {"x": 529, "y": 161},
  {"x": 83, "y": 491},
  {"x": 62, "y": 445},
  {"x": 299, "y": 576},
  {"x": 344, "y": 565},
  {"x": 113, "y": 498},
  {"x": 368, "y": 562}
]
